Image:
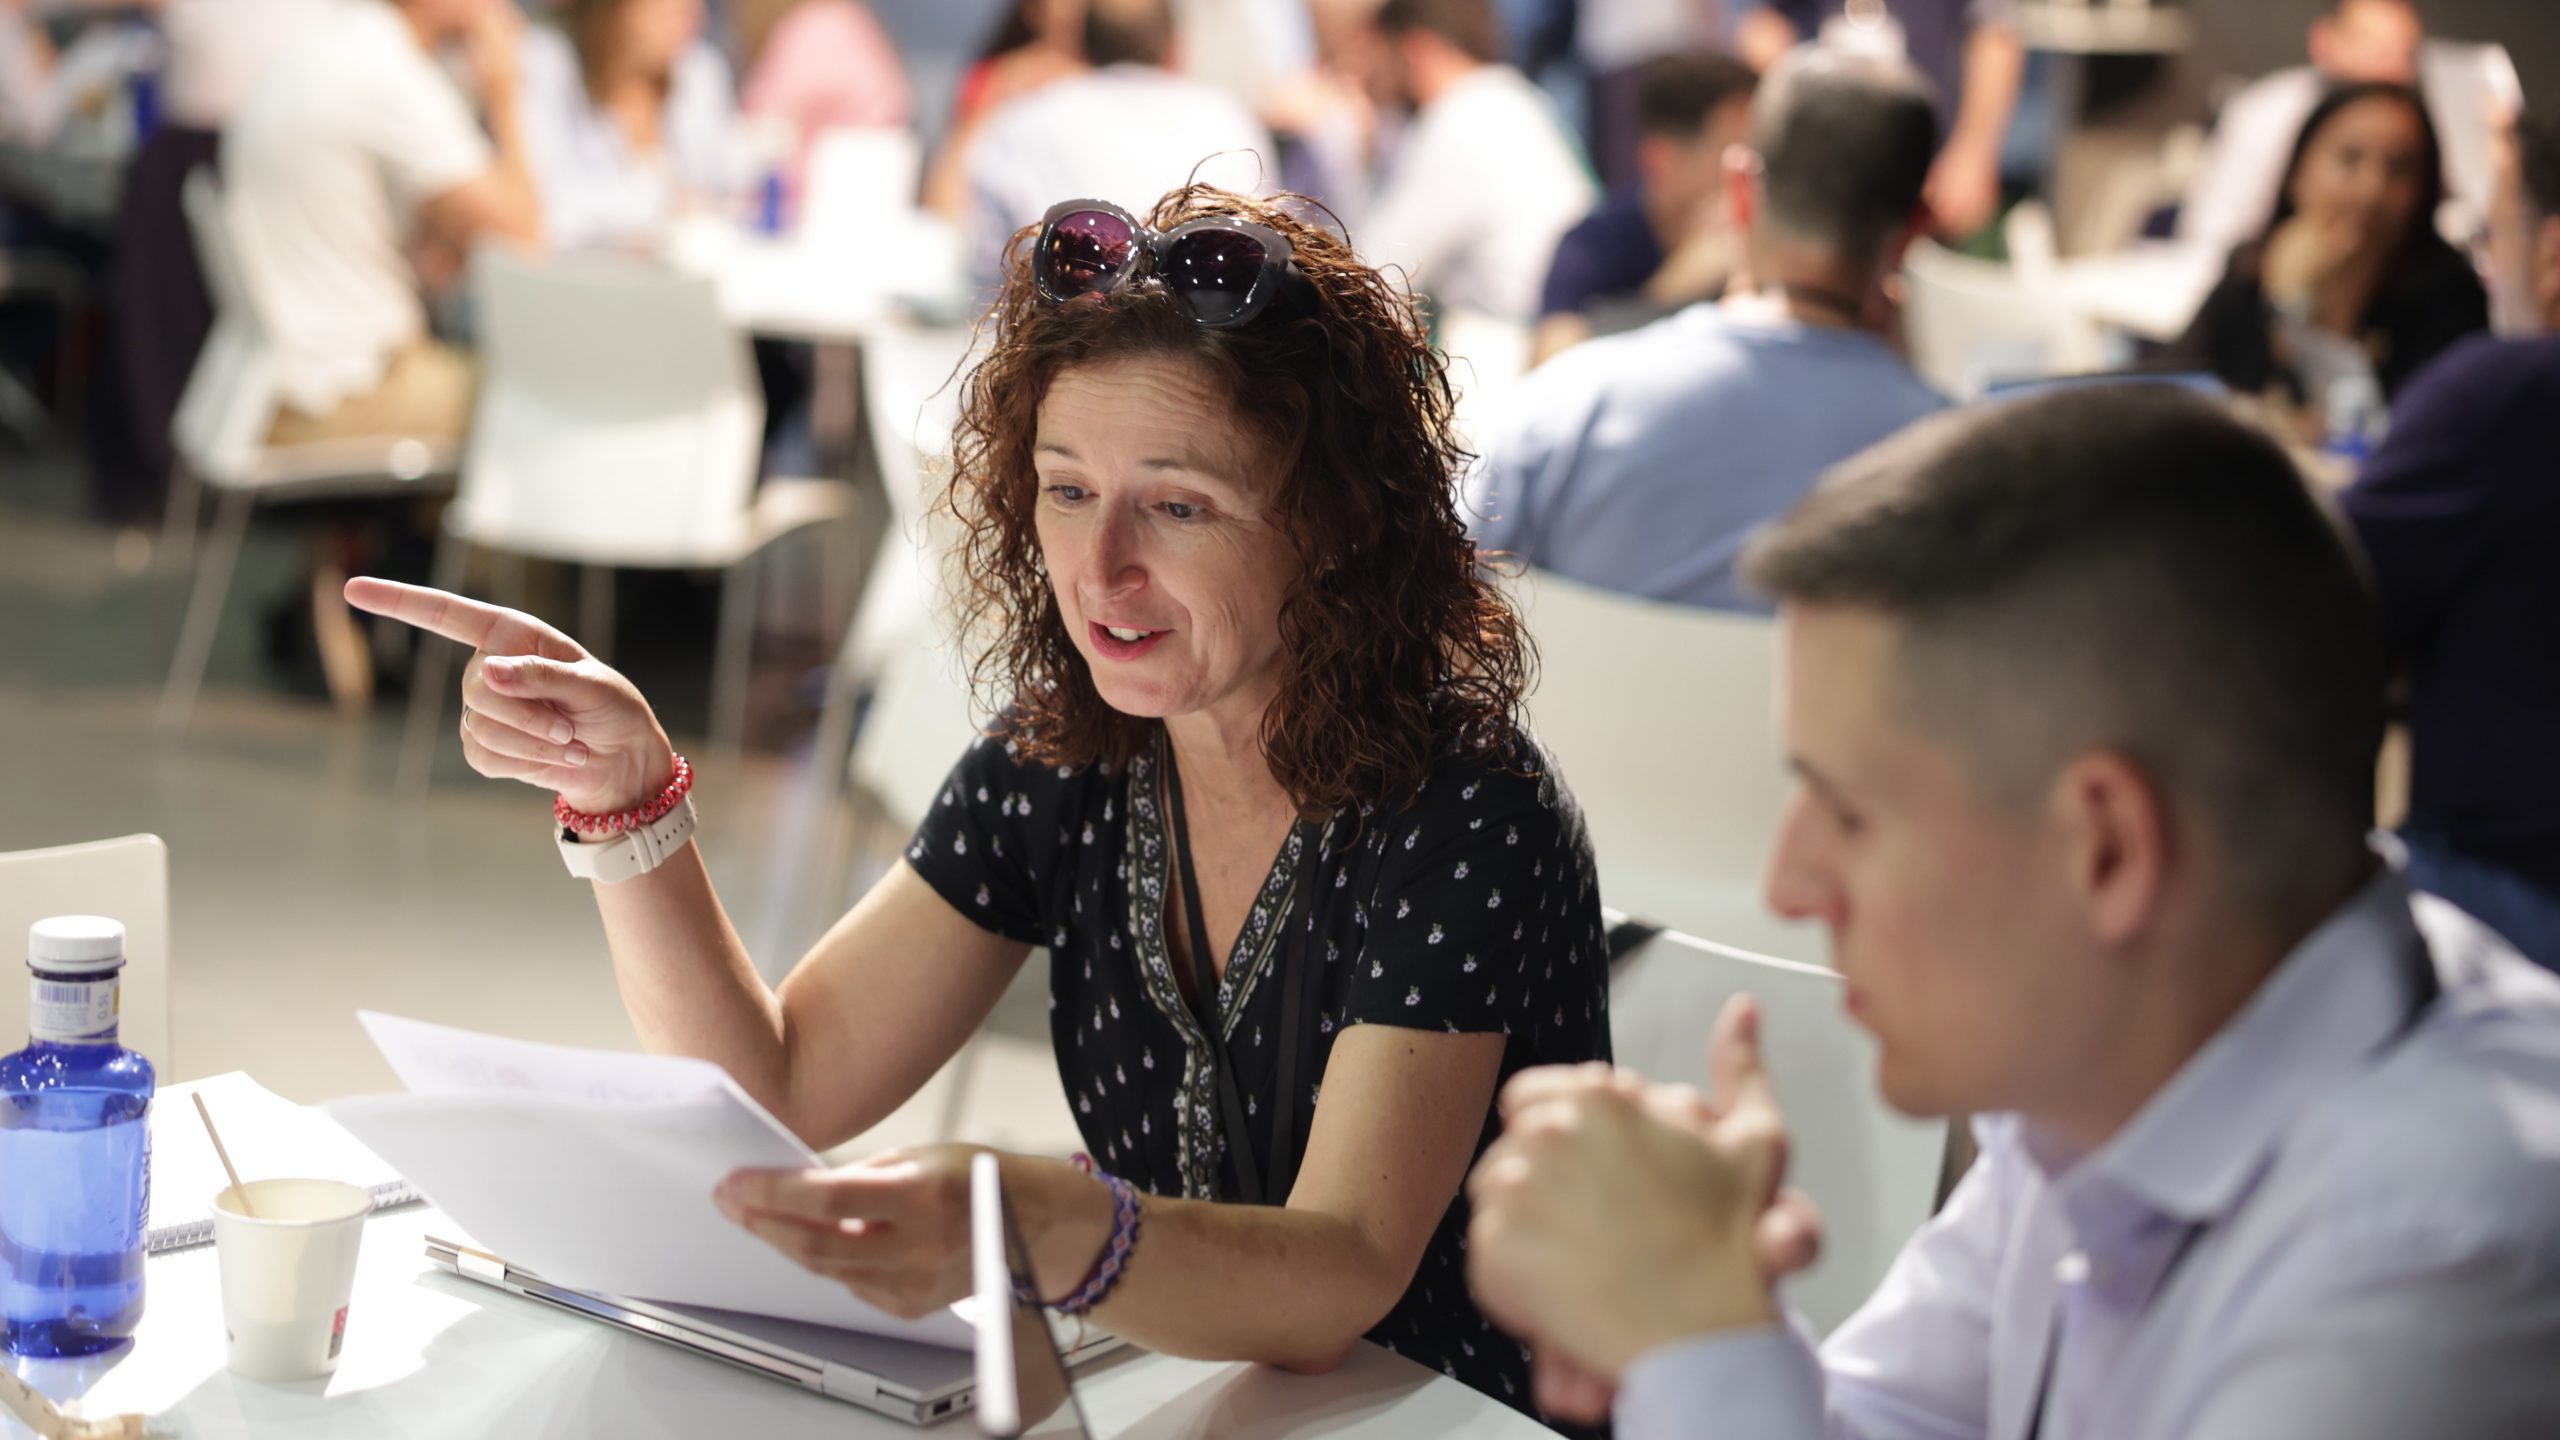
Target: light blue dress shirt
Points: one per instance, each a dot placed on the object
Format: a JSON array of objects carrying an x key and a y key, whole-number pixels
[
  {"x": 1641, "y": 462},
  {"x": 2368, "y": 1201}
]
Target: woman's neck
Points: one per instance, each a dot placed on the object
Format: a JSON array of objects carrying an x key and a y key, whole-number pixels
[
  {"x": 633, "y": 100},
  {"x": 2340, "y": 302},
  {"x": 1222, "y": 762}
]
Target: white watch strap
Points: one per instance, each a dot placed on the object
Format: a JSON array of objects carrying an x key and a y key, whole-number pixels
[{"x": 633, "y": 852}]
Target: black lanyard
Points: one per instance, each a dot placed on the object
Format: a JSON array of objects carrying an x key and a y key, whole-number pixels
[
  {"x": 2426, "y": 988},
  {"x": 1294, "y": 979}
]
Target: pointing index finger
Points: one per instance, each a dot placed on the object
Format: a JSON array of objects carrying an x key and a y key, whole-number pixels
[{"x": 457, "y": 617}]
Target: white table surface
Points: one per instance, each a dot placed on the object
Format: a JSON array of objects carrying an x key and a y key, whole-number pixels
[
  {"x": 430, "y": 1355},
  {"x": 826, "y": 289}
]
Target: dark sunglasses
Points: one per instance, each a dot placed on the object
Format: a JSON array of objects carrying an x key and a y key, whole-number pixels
[{"x": 1223, "y": 270}]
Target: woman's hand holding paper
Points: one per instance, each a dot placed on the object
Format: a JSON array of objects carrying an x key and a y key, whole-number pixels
[{"x": 894, "y": 1228}]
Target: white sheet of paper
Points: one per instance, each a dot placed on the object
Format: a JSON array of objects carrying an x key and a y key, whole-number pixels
[{"x": 595, "y": 1170}]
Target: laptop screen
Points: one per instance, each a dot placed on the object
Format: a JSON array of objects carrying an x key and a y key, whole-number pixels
[{"x": 1022, "y": 1380}]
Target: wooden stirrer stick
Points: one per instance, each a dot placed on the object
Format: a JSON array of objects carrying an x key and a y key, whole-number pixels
[{"x": 236, "y": 1187}]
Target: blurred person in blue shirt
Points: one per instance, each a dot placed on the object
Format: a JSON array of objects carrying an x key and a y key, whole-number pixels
[
  {"x": 1968, "y": 49},
  {"x": 1640, "y": 462}
]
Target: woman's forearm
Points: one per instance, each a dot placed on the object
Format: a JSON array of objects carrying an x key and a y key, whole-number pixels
[
  {"x": 1294, "y": 1288},
  {"x": 688, "y": 983}
]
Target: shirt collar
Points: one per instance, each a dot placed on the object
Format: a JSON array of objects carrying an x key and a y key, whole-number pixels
[{"x": 2192, "y": 1152}]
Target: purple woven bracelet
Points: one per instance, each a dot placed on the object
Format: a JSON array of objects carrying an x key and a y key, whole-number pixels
[{"x": 1115, "y": 1256}]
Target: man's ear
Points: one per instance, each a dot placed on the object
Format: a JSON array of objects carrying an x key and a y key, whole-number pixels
[
  {"x": 1742, "y": 185},
  {"x": 2322, "y": 44},
  {"x": 2114, "y": 837}
]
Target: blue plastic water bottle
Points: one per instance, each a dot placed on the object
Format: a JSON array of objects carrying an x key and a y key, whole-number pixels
[
  {"x": 769, "y": 215},
  {"x": 75, "y": 1152}
]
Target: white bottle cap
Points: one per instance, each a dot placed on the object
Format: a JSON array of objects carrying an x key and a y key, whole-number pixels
[{"x": 76, "y": 944}]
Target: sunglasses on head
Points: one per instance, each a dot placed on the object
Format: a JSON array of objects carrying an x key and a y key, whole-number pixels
[{"x": 1223, "y": 270}]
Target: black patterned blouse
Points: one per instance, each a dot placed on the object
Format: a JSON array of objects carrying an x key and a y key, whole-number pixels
[{"x": 1471, "y": 909}]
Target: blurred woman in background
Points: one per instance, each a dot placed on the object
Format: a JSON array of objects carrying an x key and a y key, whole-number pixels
[
  {"x": 631, "y": 121},
  {"x": 2351, "y": 290}
]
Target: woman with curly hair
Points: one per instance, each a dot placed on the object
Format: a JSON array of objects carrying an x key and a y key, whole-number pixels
[{"x": 1309, "y": 892}]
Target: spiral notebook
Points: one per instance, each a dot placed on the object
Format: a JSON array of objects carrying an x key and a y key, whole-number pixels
[{"x": 269, "y": 1137}]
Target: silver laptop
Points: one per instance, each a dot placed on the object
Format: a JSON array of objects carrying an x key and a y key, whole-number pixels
[{"x": 916, "y": 1383}]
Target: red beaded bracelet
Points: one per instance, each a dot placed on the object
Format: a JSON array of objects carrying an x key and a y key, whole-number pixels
[{"x": 615, "y": 823}]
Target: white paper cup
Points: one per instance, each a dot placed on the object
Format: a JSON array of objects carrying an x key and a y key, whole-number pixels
[{"x": 287, "y": 1274}]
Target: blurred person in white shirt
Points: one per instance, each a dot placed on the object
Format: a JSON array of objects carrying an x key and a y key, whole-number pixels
[
  {"x": 2351, "y": 42},
  {"x": 1486, "y": 180},
  {"x": 160, "y": 311},
  {"x": 354, "y": 163},
  {"x": 1126, "y": 132},
  {"x": 26, "y": 68},
  {"x": 630, "y": 120}
]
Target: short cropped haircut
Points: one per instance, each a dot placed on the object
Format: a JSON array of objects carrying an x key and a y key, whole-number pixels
[
  {"x": 2125, "y": 566},
  {"x": 1128, "y": 32},
  {"x": 2538, "y": 146},
  {"x": 1470, "y": 25},
  {"x": 1677, "y": 93},
  {"x": 1845, "y": 144}
]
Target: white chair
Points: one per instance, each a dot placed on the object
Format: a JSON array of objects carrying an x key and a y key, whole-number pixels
[
  {"x": 1661, "y": 720},
  {"x": 125, "y": 879},
  {"x": 1872, "y": 1173},
  {"x": 617, "y": 426},
  {"x": 893, "y": 650},
  {"x": 220, "y": 436},
  {"x": 1487, "y": 355},
  {"x": 911, "y": 400},
  {"x": 1971, "y": 323}
]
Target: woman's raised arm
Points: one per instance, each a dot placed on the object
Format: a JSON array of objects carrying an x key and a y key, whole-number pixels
[{"x": 883, "y": 999}]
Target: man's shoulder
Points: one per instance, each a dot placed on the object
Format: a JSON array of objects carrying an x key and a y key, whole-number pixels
[
  {"x": 2451, "y": 1144},
  {"x": 1700, "y": 359},
  {"x": 2485, "y": 368},
  {"x": 2482, "y": 387}
]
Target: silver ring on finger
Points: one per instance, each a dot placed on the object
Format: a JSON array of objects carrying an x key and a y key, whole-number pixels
[{"x": 466, "y": 719}]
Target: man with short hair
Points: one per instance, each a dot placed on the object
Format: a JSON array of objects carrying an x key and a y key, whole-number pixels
[
  {"x": 2460, "y": 515},
  {"x": 1640, "y": 462},
  {"x": 1127, "y": 131},
  {"x": 2233, "y": 196},
  {"x": 1668, "y": 240},
  {"x": 352, "y": 159},
  {"x": 1968, "y": 49},
  {"x": 1484, "y": 180},
  {"x": 2083, "y": 692}
]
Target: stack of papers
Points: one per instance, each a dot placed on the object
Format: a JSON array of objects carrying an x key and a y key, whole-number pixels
[{"x": 595, "y": 1170}]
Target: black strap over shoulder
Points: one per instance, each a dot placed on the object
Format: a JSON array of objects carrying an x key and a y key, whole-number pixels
[{"x": 1294, "y": 979}]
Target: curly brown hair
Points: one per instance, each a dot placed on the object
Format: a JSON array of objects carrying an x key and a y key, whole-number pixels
[{"x": 1399, "y": 648}]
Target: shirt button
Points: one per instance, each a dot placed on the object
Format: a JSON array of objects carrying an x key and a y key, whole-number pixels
[{"x": 2072, "y": 1269}]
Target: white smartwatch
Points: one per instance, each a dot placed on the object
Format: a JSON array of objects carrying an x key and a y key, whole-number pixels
[{"x": 634, "y": 852}]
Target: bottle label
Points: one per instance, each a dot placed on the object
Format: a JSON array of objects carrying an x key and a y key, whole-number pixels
[{"x": 74, "y": 1012}]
